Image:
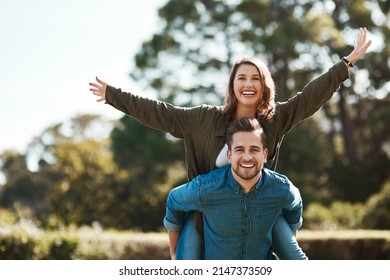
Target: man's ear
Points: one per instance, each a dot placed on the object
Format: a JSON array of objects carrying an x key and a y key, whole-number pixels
[
  {"x": 229, "y": 155},
  {"x": 265, "y": 151}
]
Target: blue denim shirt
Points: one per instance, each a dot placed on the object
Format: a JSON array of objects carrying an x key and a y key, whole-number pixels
[{"x": 237, "y": 225}]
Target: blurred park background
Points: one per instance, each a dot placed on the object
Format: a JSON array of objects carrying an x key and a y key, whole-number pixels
[{"x": 103, "y": 173}]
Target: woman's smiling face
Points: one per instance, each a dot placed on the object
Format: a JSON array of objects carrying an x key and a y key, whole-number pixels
[{"x": 248, "y": 87}]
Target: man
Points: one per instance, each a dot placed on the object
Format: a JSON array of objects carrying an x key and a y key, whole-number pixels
[{"x": 240, "y": 202}]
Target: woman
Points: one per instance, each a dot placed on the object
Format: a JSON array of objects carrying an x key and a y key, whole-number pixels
[{"x": 250, "y": 93}]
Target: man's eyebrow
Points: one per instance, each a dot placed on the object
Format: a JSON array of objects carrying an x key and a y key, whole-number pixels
[
  {"x": 252, "y": 147},
  {"x": 255, "y": 147},
  {"x": 238, "y": 147}
]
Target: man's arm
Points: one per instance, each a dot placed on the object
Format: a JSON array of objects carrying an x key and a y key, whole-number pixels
[
  {"x": 180, "y": 200},
  {"x": 294, "y": 212}
]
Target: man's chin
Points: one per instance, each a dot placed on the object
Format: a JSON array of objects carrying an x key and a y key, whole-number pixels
[{"x": 247, "y": 175}]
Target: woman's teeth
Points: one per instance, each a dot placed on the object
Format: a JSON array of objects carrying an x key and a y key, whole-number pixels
[{"x": 248, "y": 93}]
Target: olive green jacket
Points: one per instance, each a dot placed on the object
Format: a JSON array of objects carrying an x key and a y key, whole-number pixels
[{"x": 203, "y": 127}]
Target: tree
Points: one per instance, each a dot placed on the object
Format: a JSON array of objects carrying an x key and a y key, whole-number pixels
[
  {"x": 359, "y": 116},
  {"x": 68, "y": 163},
  {"x": 156, "y": 163},
  {"x": 378, "y": 206},
  {"x": 78, "y": 182}
]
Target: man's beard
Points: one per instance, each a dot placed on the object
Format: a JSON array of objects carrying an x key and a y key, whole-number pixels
[{"x": 244, "y": 175}]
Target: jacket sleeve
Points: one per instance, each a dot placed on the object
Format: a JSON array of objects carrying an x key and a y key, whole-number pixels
[
  {"x": 294, "y": 211},
  {"x": 313, "y": 96},
  {"x": 153, "y": 113},
  {"x": 181, "y": 200}
]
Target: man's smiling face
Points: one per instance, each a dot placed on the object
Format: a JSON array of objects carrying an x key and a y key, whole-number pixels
[{"x": 247, "y": 155}]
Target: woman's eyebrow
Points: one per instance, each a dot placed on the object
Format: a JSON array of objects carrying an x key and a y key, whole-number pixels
[{"x": 253, "y": 75}]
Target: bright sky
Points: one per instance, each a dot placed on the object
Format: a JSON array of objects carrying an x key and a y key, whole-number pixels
[{"x": 51, "y": 50}]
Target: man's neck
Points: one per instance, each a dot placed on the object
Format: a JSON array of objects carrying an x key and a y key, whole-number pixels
[{"x": 247, "y": 185}]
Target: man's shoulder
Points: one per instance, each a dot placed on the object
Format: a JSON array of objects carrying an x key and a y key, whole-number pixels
[
  {"x": 213, "y": 177},
  {"x": 274, "y": 177}
]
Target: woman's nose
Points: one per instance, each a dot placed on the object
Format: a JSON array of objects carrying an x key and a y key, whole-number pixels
[{"x": 248, "y": 82}]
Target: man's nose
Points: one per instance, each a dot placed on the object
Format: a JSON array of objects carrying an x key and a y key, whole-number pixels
[{"x": 247, "y": 156}]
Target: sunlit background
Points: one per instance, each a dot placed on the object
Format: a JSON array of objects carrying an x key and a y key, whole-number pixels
[{"x": 49, "y": 52}]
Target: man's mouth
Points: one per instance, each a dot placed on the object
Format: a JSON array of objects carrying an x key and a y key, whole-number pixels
[{"x": 247, "y": 165}]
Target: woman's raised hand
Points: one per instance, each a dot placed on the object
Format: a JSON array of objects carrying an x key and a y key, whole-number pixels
[
  {"x": 99, "y": 89},
  {"x": 360, "y": 46}
]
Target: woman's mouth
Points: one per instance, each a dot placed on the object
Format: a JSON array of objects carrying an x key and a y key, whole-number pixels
[{"x": 248, "y": 93}]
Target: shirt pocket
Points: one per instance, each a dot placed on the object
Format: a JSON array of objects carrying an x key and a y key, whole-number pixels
[{"x": 263, "y": 221}]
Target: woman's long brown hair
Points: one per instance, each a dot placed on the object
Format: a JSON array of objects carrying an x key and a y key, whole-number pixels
[{"x": 266, "y": 106}]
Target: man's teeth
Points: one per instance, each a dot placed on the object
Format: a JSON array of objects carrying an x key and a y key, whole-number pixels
[{"x": 247, "y": 165}]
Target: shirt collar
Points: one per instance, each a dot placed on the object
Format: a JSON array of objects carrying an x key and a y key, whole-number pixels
[{"x": 237, "y": 187}]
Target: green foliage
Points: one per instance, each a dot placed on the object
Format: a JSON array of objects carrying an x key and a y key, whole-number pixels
[
  {"x": 92, "y": 244},
  {"x": 63, "y": 248},
  {"x": 339, "y": 215},
  {"x": 378, "y": 209},
  {"x": 147, "y": 155},
  {"x": 350, "y": 183},
  {"x": 18, "y": 238},
  {"x": 17, "y": 247},
  {"x": 26, "y": 242},
  {"x": 7, "y": 218},
  {"x": 79, "y": 183},
  {"x": 345, "y": 215},
  {"x": 136, "y": 146},
  {"x": 304, "y": 157}
]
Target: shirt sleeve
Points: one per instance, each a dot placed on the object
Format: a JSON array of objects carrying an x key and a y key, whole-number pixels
[
  {"x": 294, "y": 211},
  {"x": 181, "y": 200}
]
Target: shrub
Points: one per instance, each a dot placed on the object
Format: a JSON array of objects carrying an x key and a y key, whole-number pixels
[
  {"x": 378, "y": 209},
  {"x": 7, "y": 218},
  {"x": 62, "y": 248},
  {"x": 340, "y": 215},
  {"x": 17, "y": 247},
  {"x": 19, "y": 241}
]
